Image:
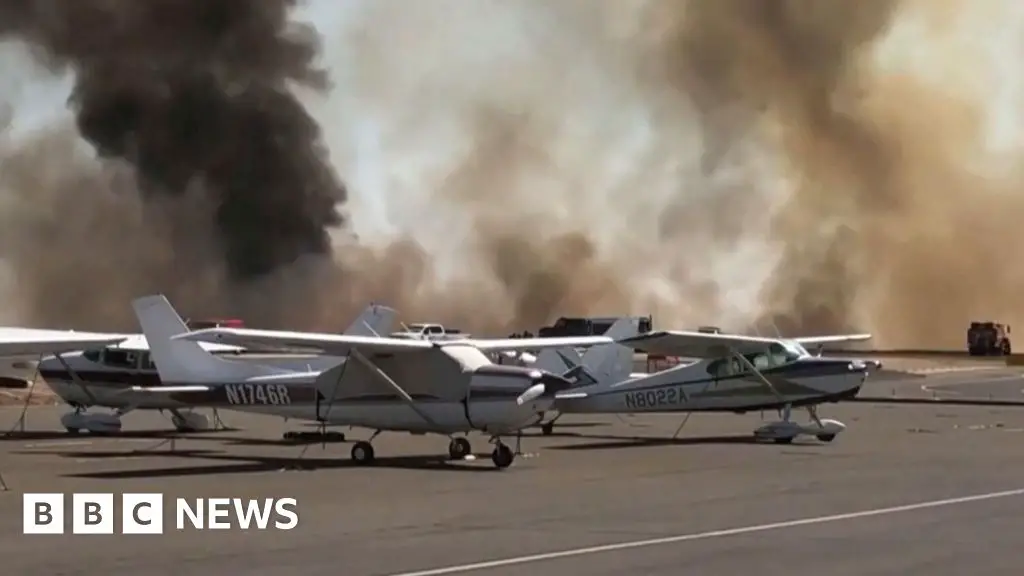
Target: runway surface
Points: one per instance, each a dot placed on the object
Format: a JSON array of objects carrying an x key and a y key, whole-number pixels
[{"x": 908, "y": 490}]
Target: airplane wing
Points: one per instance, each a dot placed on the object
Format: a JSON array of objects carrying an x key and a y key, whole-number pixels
[
  {"x": 342, "y": 344},
  {"x": 32, "y": 341},
  {"x": 832, "y": 339},
  {"x": 697, "y": 344},
  {"x": 515, "y": 344},
  {"x": 331, "y": 344}
]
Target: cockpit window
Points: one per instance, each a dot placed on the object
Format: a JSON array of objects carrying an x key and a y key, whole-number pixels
[
  {"x": 119, "y": 359},
  {"x": 776, "y": 355},
  {"x": 92, "y": 355}
]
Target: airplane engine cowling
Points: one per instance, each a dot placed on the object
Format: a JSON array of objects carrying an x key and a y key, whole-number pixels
[{"x": 505, "y": 399}]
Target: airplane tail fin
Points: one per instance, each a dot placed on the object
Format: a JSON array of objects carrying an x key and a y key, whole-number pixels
[
  {"x": 374, "y": 321},
  {"x": 184, "y": 361},
  {"x": 612, "y": 363}
]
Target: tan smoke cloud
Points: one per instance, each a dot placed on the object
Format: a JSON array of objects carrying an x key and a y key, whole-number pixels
[
  {"x": 892, "y": 224},
  {"x": 819, "y": 164}
]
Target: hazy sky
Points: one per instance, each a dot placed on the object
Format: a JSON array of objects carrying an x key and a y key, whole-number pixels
[{"x": 452, "y": 118}]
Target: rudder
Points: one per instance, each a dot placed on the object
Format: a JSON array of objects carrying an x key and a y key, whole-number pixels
[
  {"x": 184, "y": 361},
  {"x": 375, "y": 320},
  {"x": 612, "y": 363}
]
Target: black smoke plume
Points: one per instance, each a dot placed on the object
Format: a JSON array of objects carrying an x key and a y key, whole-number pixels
[{"x": 196, "y": 96}]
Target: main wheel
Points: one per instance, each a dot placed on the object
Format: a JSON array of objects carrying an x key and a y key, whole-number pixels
[
  {"x": 502, "y": 456},
  {"x": 362, "y": 453},
  {"x": 826, "y": 437},
  {"x": 784, "y": 440},
  {"x": 73, "y": 430},
  {"x": 547, "y": 428},
  {"x": 459, "y": 448}
]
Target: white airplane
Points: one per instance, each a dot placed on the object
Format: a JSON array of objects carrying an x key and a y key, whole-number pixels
[
  {"x": 394, "y": 384},
  {"x": 732, "y": 373},
  {"x": 19, "y": 343},
  {"x": 108, "y": 376}
]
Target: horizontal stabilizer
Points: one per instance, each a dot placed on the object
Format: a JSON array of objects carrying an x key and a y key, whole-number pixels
[{"x": 832, "y": 339}]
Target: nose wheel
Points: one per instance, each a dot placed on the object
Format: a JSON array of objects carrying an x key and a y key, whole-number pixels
[
  {"x": 502, "y": 456},
  {"x": 459, "y": 448},
  {"x": 362, "y": 453}
]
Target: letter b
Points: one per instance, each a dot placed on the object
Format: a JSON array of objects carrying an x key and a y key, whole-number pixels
[
  {"x": 92, "y": 514},
  {"x": 42, "y": 513}
]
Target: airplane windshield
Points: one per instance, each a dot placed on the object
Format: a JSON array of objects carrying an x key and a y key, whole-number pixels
[
  {"x": 796, "y": 348},
  {"x": 776, "y": 355},
  {"x": 92, "y": 355}
]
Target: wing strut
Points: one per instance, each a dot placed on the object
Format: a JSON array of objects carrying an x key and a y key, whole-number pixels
[
  {"x": 384, "y": 378},
  {"x": 76, "y": 379},
  {"x": 757, "y": 374}
]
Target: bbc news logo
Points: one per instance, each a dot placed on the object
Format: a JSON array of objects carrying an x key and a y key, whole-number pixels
[{"x": 144, "y": 513}]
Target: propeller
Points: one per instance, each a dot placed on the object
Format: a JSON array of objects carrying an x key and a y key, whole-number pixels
[
  {"x": 544, "y": 383},
  {"x": 531, "y": 394}
]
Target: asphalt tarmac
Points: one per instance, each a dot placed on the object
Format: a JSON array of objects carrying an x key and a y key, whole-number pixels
[{"x": 907, "y": 490}]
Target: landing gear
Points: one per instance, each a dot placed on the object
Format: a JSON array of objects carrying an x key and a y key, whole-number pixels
[
  {"x": 502, "y": 456},
  {"x": 362, "y": 453},
  {"x": 826, "y": 429},
  {"x": 186, "y": 422},
  {"x": 785, "y": 430},
  {"x": 94, "y": 423},
  {"x": 547, "y": 428},
  {"x": 459, "y": 448}
]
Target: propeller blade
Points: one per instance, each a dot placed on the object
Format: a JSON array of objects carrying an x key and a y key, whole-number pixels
[{"x": 531, "y": 394}]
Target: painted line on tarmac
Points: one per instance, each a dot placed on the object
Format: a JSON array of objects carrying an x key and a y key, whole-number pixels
[{"x": 547, "y": 556}]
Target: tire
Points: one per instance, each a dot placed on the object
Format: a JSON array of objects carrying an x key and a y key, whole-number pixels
[
  {"x": 459, "y": 448},
  {"x": 502, "y": 457},
  {"x": 362, "y": 453}
]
